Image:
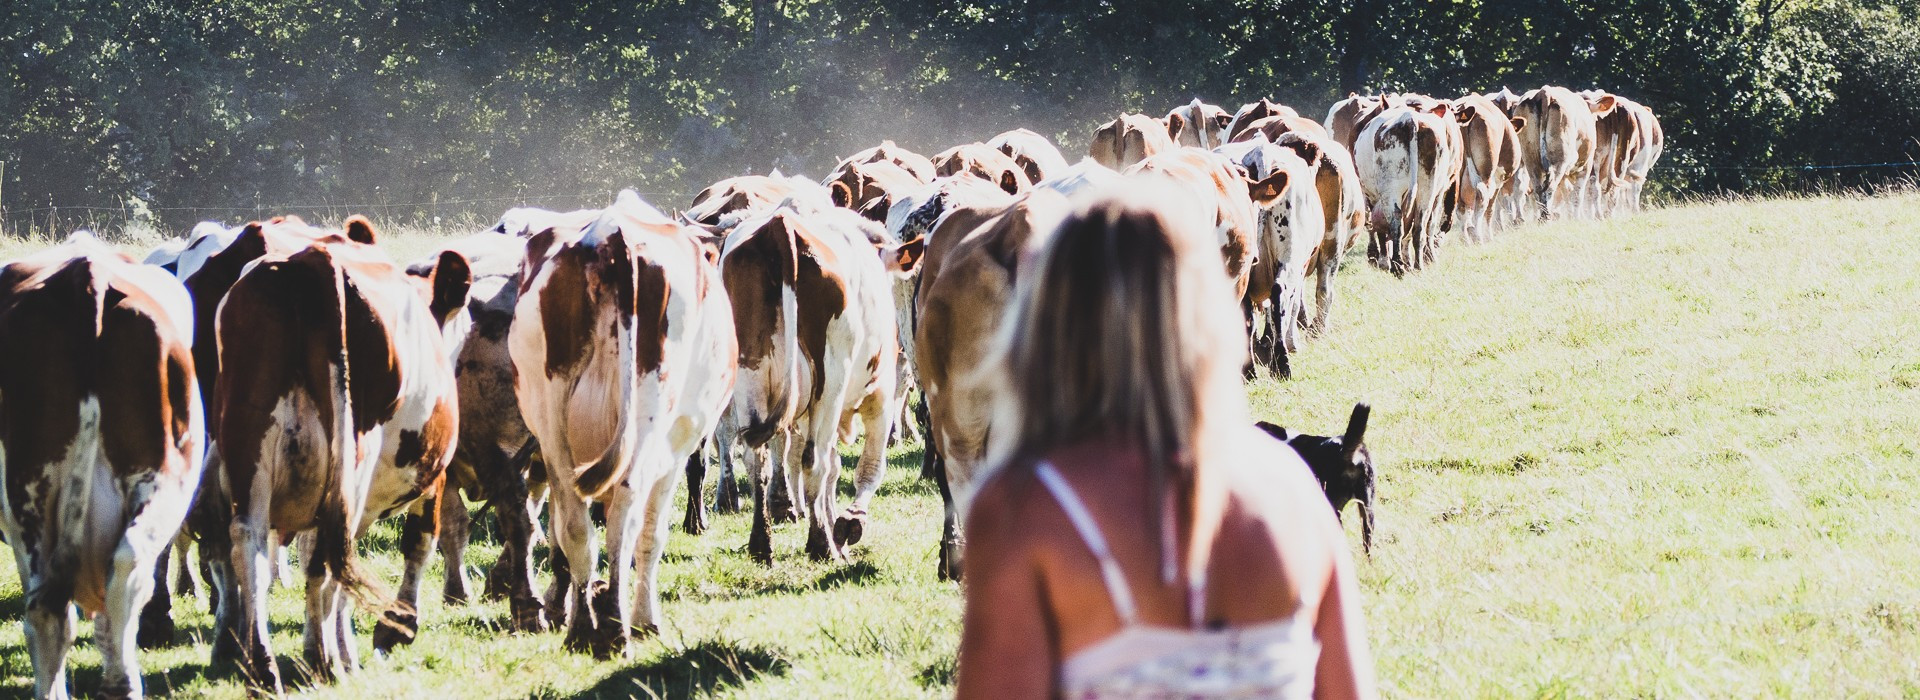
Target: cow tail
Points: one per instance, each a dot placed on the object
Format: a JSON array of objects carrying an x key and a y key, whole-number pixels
[
  {"x": 335, "y": 520},
  {"x": 74, "y": 510}
]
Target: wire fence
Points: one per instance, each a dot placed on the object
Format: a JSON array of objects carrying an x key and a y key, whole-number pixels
[{"x": 54, "y": 219}]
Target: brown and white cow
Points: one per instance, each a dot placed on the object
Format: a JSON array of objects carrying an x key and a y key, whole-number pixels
[
  {"x": 818, "y": 347},
  {"x": 1273, "y": 127},
  {"x": 1343, "y": 210},
  {"x": 984, "y": 162},
  {"x": 1035, "y": 154},
  {"x": 1255, "y": 111},
  {"x": 1652, "y": 142},
  {"x": 1404, "y": 159},
  {"x": 869, "y": 188},
  {"x": 1201, "y": 125},
  {"x": 962, "y": 302},
  {"x": 1291, "y": 225},
  {"x": 621, "y": 342},
  {"x": 1347, "y": 118},
  {"x": 1221, "y": 192},
  {"x": 101, "y": 444},
  {"x": 335, "y": 408},
  {"x": 1622, "y": 137},
  {"x": 1132, "y": 138},
  {"x": 889, "y": 152},
  {"x": 1557, "y": 147},
  {"x": 747, "y": 193},
  {"x": 1489, "y": 160}
]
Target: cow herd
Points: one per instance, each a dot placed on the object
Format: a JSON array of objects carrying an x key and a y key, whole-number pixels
[{"x": 276, "y": 384}]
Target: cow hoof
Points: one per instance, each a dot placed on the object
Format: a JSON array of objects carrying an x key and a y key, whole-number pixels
[
  {"x": 760, "y": 548},
  {"x": 399, "y": 625},
  {"x": 499, "y": 584},
  {"x": 782, "y": 508},
  {"x": 696, "y": 522},
  {"x": 156, "y": 631},
  {"x": 610, "y": 634},
  {"x": 116, "y": 690},
  {"x": 528, "y": 614},
  {"x": 850, "y": 527},
  {"x": 950, "y": 560},
  {"x": 455, "y": 594},
  {"x": 821, "y": 547}
]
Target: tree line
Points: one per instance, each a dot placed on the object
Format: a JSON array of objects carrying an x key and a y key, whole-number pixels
[{"x": 171, "y": 112}]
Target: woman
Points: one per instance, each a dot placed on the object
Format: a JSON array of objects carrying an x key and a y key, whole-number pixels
[{"x": 1140, "y": 538}]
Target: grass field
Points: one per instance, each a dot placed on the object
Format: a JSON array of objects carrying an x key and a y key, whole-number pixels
[{"x": 1672, "y": 455}]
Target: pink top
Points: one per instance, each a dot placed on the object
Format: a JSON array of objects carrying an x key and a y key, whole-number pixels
[{"x": 1267, "y": 660}]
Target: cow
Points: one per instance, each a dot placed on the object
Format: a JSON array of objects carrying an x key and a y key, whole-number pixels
[
  {"x": 620, "y": 343},
  {"x": 890, "y": 152},
  {"x": 748, "y": 193},
  {"x": 1452, "y": 139},
  {"x": 1489, "y": 160},
  {"x": 1132, "y": 138},
  {"x": 1348, "y": 117},
  {"x": 1291, "y": 227},
  {"x": 101, "y": 445},
  {"x": 961, "y": 306},
  {"x": 1403, "y": 160},
  {"x": 869, "y": 188},
  {"x": 984, "y": 162},
  {"x": 1271, "y": 128},
  {"x": 495, "y": 450},
  {"x": 1557, "y": 147},
  {"x": 1255, "y": 111},
  {"x": 1035, "y": 154},
  {"x": 818, "y": 347},
  {"x": 1652, "y": 141},
  {"x": 1343, "y": 210},
  {"x": 335, "y": 408},
  {"x": 1221, "y": 191},
  {"x": 1201, "y": 125}
]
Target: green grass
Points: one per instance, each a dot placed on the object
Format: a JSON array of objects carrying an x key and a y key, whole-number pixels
[{"x": 1671, "y": 455}]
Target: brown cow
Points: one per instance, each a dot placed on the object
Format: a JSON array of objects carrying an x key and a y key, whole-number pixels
[
  {"x": 1343, "y": 210},
  {"x": 961, "y": 305},
  {"x": 735, "y": 196},
  {"x": 1220, "y": 190},
  {"x": 101, "y": 445},
  {"x": 1490, "y": 158},
  {"x": 984, "y": 162},
  {"x": 1617, "y": 144},
  {"x": 1132, "y": 138},
  {"x": 336, "y": 408},
  {"x": 1346, "y": 118}
]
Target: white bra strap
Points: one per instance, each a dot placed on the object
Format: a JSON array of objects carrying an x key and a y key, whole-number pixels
[{"x": 1090, "y": 533}]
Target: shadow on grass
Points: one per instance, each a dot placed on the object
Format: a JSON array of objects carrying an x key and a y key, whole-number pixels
[
  {"x": 697, "y": 670},
  {"x": 937, "y": 675}
]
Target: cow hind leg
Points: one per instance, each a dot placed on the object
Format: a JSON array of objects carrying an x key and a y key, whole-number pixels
[
  {"x": 651, "y": 545},
  {"x": 50, "y": 627},
  {"x": 821, "y": 467},
  {"x": 573, "y": 536},
  {"x": 696, "y": 520},
  {"x": 951, "y": 546},
  {"x": 877, "y": 413},
  {"x": 610, "y": 605},
  {"x": 455, "y": 534},
  {"x": 515, "y": 566},
  {"x": 400, "y": 622},
  {"x": 250, "y": 598},
  {"x": 760, "y": 473},
  {"x": 156, "y": 617}
]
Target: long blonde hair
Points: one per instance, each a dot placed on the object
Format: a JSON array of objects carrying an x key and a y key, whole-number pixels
[{"x": 1123, "y": 323}]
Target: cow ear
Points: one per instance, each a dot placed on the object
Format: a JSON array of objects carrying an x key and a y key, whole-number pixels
[
  {"x": 841, "y": 193},
  {"x": 1603, "y": 105},
  {"x": 1266, "y": 192},
  {"x": 1464, "y": 113},
  {"x": 1440, "y": 110},
  {"x": 452, "y": 279},
  {"x": 906, "y": 257},
  {"x": 710, "y": 251},
  {"x": 1009, "y": 182},
  {"x": 1220, "y": 121},
  {"x": 360, "y": 230},
  {"x": 1175, "y": 125},
  {"x": 1309, "y": 151},
  {"x": 1519, "y": 122}
]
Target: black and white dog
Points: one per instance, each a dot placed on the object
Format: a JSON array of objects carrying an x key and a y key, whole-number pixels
[{"x": 1342, "y": 464}]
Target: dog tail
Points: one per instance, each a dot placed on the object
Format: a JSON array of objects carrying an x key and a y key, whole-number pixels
[{"x": 1356, "y": 429}]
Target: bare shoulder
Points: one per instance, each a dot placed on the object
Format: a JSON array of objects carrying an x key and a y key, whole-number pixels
[{"x": 1266, "y": 473}]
